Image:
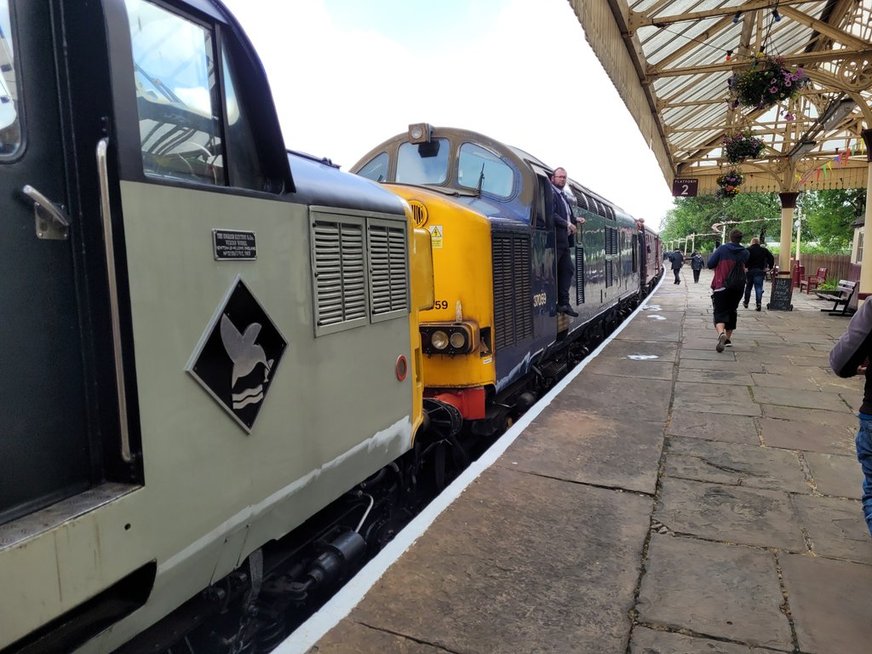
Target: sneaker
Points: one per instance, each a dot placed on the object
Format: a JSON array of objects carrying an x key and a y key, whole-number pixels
[
  {"x": 722, "y": 339},
  {"x": 745, "y": 304},
  {"x": 759, "y": 308},
  {"x": 728, "y": 343}
]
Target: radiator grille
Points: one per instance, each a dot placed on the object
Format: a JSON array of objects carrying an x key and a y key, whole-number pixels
[
  {"x": 389, "y": 286},
  {"x": 513, "y": 314},
  {"x": 610, "y": 273},
  {"x": 579, "y": 275},
  {"x": 340, "y": 278}
]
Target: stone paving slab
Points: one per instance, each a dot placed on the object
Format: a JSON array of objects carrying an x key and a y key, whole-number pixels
[
  {"x": 793, "y": 382},
  {"x": 610, "y": 395},
  {"x": 831, "y": 604},
  {"x": 834, "y": 474},
  {"x": 591, "y": 449},
  {"x": 715, "y": 590},
  {"x": 650, "y": 641},
  {"x": 712, "y": 426},
  {"x": 521, "y": 564},
  {"x": 835, "y": 527},
  {"x": 730, "y": 514},
  {"x": 796, "y": 435},
  {"x": 815, "y": 417},
  {"x": 715, "y": 377},
  {"x": 638, "y": 348},
  {"x": 736, "y": 465},
  {"x": 354, "y": 638},
  {"x": 720, "y": 363},
  {"x": 715, "y": 398},
  {"x": 800, "y": 399}
]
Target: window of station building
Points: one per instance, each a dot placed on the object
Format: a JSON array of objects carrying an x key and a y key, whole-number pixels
[
  {"x": 376, "y": 168},
  {"x": 423, "y": 163},
  {"x": 10, "y": 123},
  {"x": 478, "y": 167},
  {"x": 177, "y": 95}
]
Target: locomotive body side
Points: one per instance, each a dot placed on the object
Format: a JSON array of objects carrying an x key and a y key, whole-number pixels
[{"x": 218, "y": 324}]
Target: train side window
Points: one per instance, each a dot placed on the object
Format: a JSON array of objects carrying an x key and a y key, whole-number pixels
[
  {"x": 478, "y": 167},
  {"x": 10, "y": 123},
  {"x": 544, "y": 205},
  {"x": 176, "y": 95},
  {"x": 376, "y": 168}
]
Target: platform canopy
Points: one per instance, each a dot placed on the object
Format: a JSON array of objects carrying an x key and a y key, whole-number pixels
[{"x": 671, "y": 61}]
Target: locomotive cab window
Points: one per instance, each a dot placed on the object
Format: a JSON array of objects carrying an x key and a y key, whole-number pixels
[
  {"x": 10, "y": 124},
  {"x": 376, "y": 168},
  {"x": 481, "y": 169},
  {"x": 423, "y": 163},
  {"x": 176, "y": 95}
]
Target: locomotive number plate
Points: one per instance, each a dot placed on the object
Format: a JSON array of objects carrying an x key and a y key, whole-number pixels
[{"x": 232, "y": 245}]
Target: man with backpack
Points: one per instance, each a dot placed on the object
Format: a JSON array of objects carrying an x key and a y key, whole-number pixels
[{"x": 728, "y": 286}]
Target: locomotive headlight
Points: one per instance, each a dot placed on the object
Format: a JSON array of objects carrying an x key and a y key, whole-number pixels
[
  {"x": 450, "y": 338},
  {"x": 439, "y": 340}
]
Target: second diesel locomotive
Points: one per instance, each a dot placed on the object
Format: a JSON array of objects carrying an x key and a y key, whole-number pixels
[{"x": 494, "y": 339}]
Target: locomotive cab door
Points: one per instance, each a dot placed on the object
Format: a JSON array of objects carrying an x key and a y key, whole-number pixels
[{"x": 45, "y": 449}]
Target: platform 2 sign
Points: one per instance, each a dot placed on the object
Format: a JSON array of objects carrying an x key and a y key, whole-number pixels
[
  {"x": 782, "y": 294},
  {"x": 685, "y": 187}
]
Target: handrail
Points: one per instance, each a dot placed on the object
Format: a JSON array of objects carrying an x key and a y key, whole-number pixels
[{"x": 109, "y": 243}]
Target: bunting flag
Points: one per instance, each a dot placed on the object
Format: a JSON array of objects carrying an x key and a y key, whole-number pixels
[{"x": 826, "y": 167}]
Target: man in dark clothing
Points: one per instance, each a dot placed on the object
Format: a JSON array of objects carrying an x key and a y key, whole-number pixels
[
  {"x": 725, "y": 299},
  {"x": 850, "y": 357},
  {"x": 697, "y": 263},
  {"x": 677, "y": 259},
  {"x": 759, "y": 261},
  {"x": 564, "y": 238}
]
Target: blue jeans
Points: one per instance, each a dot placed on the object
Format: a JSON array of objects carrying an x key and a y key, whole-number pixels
[
  {"x": 754, "y": 277},
  {"x": 864, "y": 455}
]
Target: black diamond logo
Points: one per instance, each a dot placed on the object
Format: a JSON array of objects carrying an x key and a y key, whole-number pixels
[{"x": 238, "y": 355}]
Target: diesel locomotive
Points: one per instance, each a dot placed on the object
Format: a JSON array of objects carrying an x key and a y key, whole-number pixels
[
  {"x": 494, "y": 339},
  {"x": 181, "y": 300}
]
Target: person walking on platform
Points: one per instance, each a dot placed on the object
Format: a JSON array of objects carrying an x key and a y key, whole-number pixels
[
  {"x": 849, "y": 357},
  {"x": 728, "y": 283},
  {"x": 696, "y": 265},
  {"x": 564, "y": 228},
  {"x": 677, "y": 259},
  {"x": 760, "y": 260}
]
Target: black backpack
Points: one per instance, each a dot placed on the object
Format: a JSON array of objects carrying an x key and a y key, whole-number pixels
[{"x": 736, "y": 277}]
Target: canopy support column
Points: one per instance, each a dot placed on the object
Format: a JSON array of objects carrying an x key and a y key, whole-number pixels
[{"x": 788, "y": 205}]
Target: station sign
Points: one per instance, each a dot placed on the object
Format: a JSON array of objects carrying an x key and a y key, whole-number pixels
[{"x": 685, "y": 187}]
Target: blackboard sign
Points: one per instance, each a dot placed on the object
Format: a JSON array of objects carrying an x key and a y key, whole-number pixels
[{"x": 782, "y": 294}]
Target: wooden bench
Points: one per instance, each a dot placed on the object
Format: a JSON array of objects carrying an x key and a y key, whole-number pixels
[
  {"x": 813, "y": 281},
  {"x": 845, "y": 296}
]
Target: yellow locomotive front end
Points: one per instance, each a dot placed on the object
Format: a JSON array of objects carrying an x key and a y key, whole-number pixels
[{"x": 457, "y": 333}]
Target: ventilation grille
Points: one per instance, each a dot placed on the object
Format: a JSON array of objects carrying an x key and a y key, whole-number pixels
[
  {"x": 513, "y": 311},
  {"x": 610, "y": 273},
  {"x": 387, "y": 260},
  {"x": 579, "y": 275},
  {"x": 340, "y": 273},
  {"x": 611, "y": 240}
]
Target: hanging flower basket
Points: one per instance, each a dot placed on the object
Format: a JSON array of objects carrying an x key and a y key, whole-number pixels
[
  {"x": 765, "y": 83},
  {"x": 729, "y": 184},
  {"x": 738, "y": 147}
]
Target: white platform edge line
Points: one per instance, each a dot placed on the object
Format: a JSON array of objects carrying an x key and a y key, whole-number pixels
[{"x": 341, "y": 604}]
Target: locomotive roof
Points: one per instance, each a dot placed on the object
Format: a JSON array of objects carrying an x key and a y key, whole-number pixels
[{"x": 320, "y": 182}]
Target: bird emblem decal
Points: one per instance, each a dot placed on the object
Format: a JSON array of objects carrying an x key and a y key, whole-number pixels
[{"x": 245, "y": 354}]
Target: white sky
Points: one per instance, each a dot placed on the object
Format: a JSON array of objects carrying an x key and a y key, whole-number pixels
[{"x": 348, "y": 74}]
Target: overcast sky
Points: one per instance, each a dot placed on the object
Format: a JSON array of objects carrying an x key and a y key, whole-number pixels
[{"x": 348, "y": 74}]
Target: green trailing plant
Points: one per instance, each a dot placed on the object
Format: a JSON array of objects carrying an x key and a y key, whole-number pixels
[
  {"x": 767, "y": 82},
  {"x": 741, "y": 146}
]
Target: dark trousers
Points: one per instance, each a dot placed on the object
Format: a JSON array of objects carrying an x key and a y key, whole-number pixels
[
  {"x": 564, "y": 275},
  {"x": 724, "y": 305},
  {"x": 754, "y": 278},
  {"x": 696, "y": 275},
  {"x": 677, "y": 271}
]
